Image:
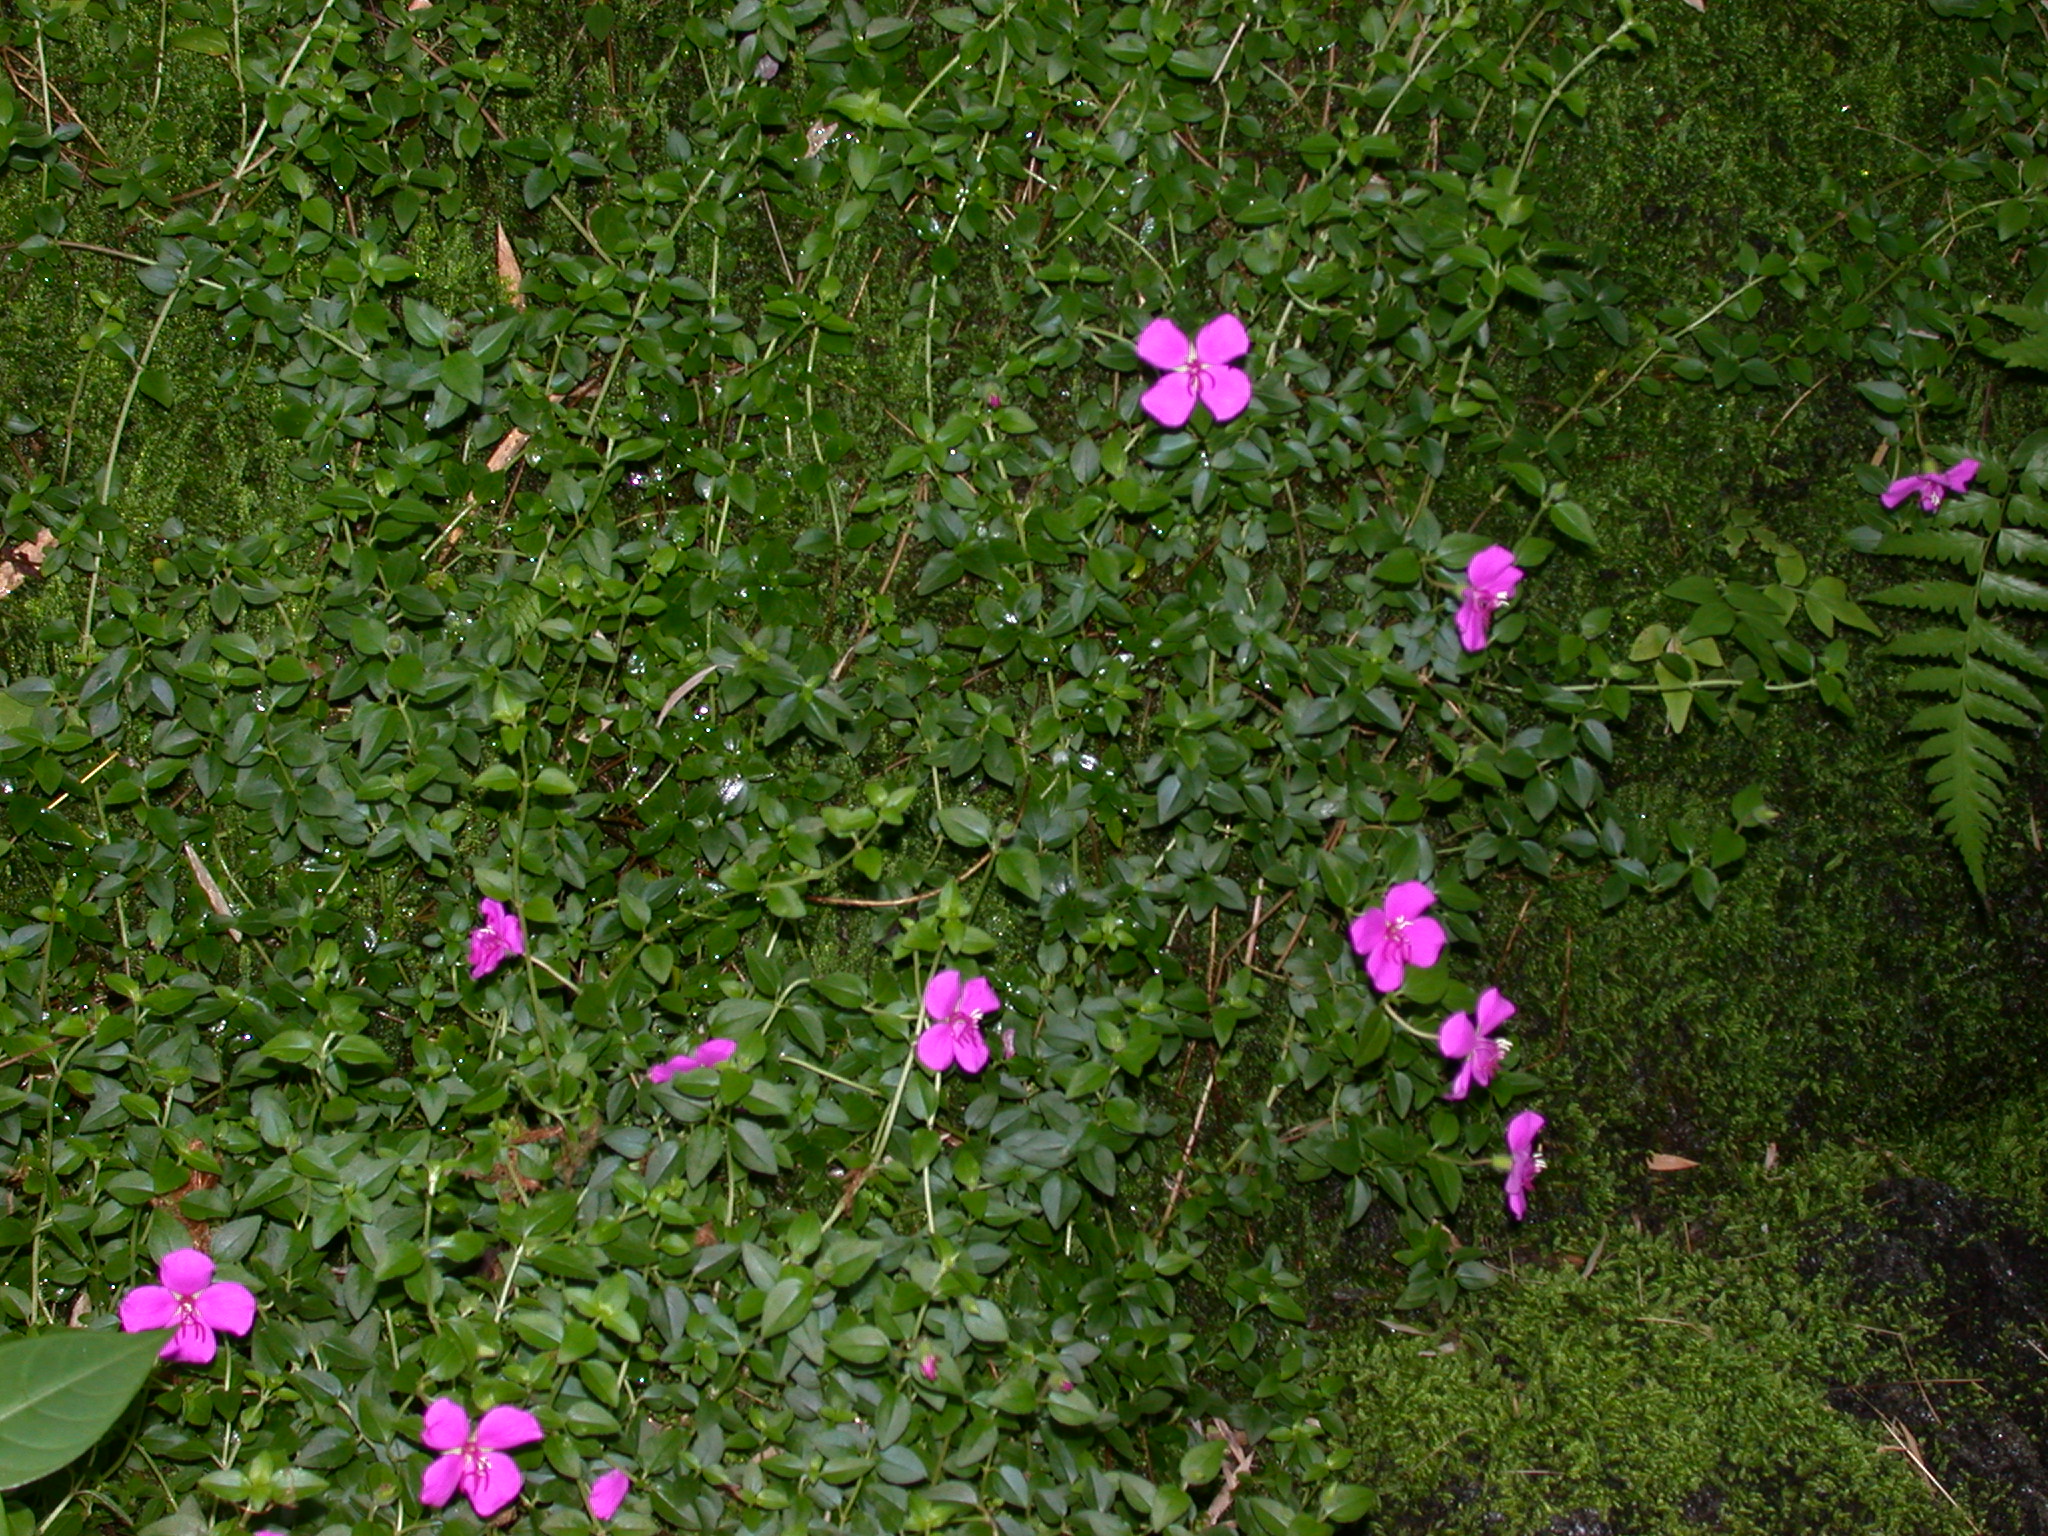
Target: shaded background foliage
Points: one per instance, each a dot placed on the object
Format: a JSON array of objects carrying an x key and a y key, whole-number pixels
[{"x": 831, "y": 616}]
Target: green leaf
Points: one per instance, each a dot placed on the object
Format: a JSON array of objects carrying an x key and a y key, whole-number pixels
[
  {"x": 965, "y": 825},
  {"x": 1202, "y": 1463},
  {"x": 788, "y": 1300},
  {"x": 1570, "y": 519},
  {"x": 59, "y": 1392},
  {"x": 1885, "y": 395},
  {"x": 463, "y": 376}
]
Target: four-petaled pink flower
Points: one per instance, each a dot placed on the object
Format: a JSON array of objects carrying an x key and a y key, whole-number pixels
[
  {"x": 929, "y": 1365},
  {"x": 606, "y": 1493},
  {"x": 500, "y": 937},
  {"x": 709, "y": 1054},
  {"x": 1931, "y": 487},
  {"x": 1462, "y": 1040},
  {"x": 1197, "y": 370},
  {"x": 1523, "y": 1163},
  {"x": 474, "y": 1463},
  {"x": 190, "y": 1300},
  {"x": 956, "y": 1008},
  {"x": 1396, "y": 936},
  {"x": 1490, "y": 581}
]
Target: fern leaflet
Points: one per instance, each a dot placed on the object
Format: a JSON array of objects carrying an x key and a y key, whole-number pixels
[{"x": 1985, "y": 678}]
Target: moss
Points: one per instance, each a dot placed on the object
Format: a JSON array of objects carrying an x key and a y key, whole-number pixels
[
  {"x": 1668, "y": 1390},
  {"x": 1848, "y": 983}
]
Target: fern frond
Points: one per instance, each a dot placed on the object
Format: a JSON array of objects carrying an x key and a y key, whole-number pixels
[
  {"x": 2021, "y": 315},
  {"x": 1990, "y": 678},
  {"x": 2027, "y": 352},
  {"x": 2018, "y": 544},
  {"x": 2010, "y": 591},
  {"x": 1944, "y": 544},
  {"x": 1987, "y": 707},
  {"x": 1952, "y": 643},
  {"x": 1932, "y": 680},
  {"x": 2022, "y": 508},
  {"x": 1966, "y": 774},
  {"x": 2003, "y": 646},
  {"x": 1952, "y": 597}
]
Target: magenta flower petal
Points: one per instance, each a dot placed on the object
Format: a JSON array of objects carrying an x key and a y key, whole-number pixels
[
  {"x": 1226, "y": 391},
  {"x": 444, "y": 1426},
  {"x": 606, "y": 1493},
  {"x": 1367, "y": 929},
  {"x": 1425, "y": 939},
  {"x": 504, "y": 922},
  {"x": 1411, "y": 898},
  {"x": 227, "y": 1306},
  {"x": 1523, "y": 1130},
  {"x": 1524, "y": 1165},
  {"x": 1171, "y": 401},
  {"x": 1491, "y": 577},
  {"x": 186, "y": 1271},
  {"x": 1932, "y": 488},
  {"x": 1164, "y": 345},
  {"x": 1457, "y": 1036},
  {"x": 929, "y": 1365},
  {"x": 716, "y": 1050},
  {"x": 1494, "y": 1010},
  {"x": 970, "y": 1049},
  {"x": 942, "y": 994},
  {"x": 1493, "y": 567},
  {"x": 935, "y": 1047},
  {"x": 492, "y": 1481},
  {"x": 662, "y": 1071},
  {"x": 1901, "y": 488},
  {"x": 1958, "y": 478},
  {"x": 147, "y": 1307},
  {"x": 193, "y": 1344},
  {"x": 505, "y": 1427},
  {"x": 439, "y": 1482},
  {"x": 501, "y": 937},
  {"x": 956, "y": 1008},
  {"x": 1393, "y": 937},
  {"x": 977, "y": 999},
  {"x": 1222, "y": 340},
  {"x": 1474, "y": 616}
]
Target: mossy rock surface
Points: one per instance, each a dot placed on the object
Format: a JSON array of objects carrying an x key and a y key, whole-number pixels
[{"x": 1769, "y": 1366}]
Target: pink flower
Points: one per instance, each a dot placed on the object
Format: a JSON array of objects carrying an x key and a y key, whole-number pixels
[
  {"x": 1523, "y": 1163},
  {"x": 1196, "y": 371},
  {"x": 930, "y": 1366},
  {"x": 606, "y": 1493},
  {"x": 956, "y": 1008},
  {"x": 190, "y": 1300},
  {"x": 1396, "y": 936},
  {"x": 1931, "y": 487},
  {"x": 500, "y": 938},
  {"x": 474, "y": 1463},
  {"x": 1490, "y": 581},
  {"x": 709, "y": 1054},
  {"x": 1460, "y": 1038}
]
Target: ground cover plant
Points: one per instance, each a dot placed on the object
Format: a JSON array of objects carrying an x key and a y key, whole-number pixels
[{"x": 736, "y": 737}]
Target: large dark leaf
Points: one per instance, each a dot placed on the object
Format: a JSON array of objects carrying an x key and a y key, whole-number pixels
[{"x": 60, "y": 1392}]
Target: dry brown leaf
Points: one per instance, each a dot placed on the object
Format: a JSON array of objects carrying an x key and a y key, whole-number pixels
[
  {"x": 25, "y": 560},
  {"x": 1698, "y": 5},
  {"x": 211, "y": 889},
  {"x": 1666, "y": 1162},
  {"x": 508, "y": 270},
  {"x": 510, "y": 446},
  {"x": 33, "y": 551}
]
